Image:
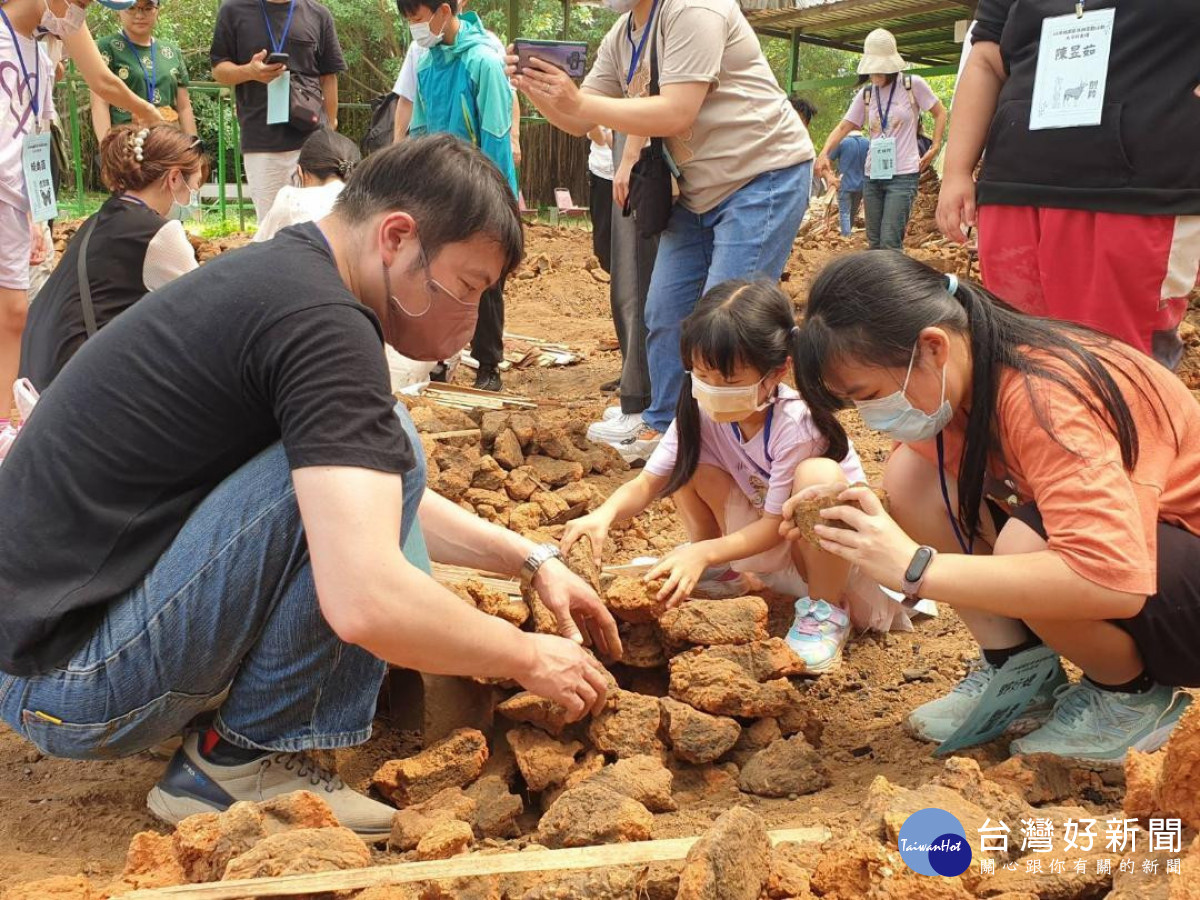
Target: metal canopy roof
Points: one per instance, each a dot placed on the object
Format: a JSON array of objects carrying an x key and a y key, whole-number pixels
[{"x": 924, "y": 29}]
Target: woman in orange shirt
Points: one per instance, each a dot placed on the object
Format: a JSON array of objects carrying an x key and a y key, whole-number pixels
[{"x": 1046, "y": 485}]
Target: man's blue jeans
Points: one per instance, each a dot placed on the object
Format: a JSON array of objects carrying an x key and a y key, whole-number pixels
[
  {"x": 231, "y": 607},
  {"x": 748, "y": 235},
  {"x": 848, "y": 204},
  {"x": 888, "y": 204}
]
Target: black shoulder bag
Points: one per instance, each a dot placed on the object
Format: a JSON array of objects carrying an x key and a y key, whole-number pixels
[{"x": 650, "y": 199}]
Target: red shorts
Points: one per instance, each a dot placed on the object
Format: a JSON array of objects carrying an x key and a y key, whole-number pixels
[{"x": 1126, "y": 275}]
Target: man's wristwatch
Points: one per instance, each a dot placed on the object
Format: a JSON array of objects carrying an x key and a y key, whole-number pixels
[
  {"x": 541, "y": 555},
  {"x": 914, "y": 575}
]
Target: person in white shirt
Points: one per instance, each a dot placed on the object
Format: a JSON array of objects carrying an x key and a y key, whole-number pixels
[{"x": 326, "y": 161}]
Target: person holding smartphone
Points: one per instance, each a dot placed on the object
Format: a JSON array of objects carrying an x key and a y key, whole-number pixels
[
  {"x": 255, "y": 44},
  {"x": 743, "y": 156}
]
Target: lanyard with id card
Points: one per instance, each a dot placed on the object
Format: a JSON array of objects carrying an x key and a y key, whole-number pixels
[
  {"x": 1072, "y": 69},
  {"x": 279, "y": 91},
  {"x": 883, "y": 148},
  {"x": 35, "y": 146}
]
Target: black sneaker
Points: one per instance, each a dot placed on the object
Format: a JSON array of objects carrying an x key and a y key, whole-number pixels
[
  {"x": 488, "y": 379},
  {"x": 610, "y": 386},
  {"x": 439, "y": 373}
]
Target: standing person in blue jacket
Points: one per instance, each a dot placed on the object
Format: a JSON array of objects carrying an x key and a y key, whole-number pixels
[
  {"x": 462, "y": 88},
  {"x": 851, "y": 158}
]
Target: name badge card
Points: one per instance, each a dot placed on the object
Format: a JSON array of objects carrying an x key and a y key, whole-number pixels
[
  {"x": 883, "y": 158},
  {"x": 1072, "y": 70},
  {"x": 279, "y": 99},
  {"x": 39, "y": 184}
]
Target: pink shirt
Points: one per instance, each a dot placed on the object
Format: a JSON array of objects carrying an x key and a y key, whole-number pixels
[
  {"x": 764, "y": 477},
  {"x": 902, "y": 118}
]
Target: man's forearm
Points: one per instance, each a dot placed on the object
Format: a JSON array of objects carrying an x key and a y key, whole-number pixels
[
  {"x": 329, "y": 93},
  {"x": 230, "y": 74},
  {"x": 457, "y": 538}
]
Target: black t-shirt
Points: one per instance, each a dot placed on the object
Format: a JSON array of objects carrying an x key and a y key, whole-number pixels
[
  {"x": 312, "y": 47},
  {"x": 116, "y": 261},
  {"x": 158, "y": 408}
]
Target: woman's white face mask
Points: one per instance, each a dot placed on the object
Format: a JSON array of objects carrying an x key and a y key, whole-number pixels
[{"x": 64, "y": 26}]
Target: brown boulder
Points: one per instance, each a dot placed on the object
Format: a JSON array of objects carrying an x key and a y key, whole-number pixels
[
  {"x": 446, "y": 839},
  {"x": 1047, "y": 883},
  {"x": 851, "y": 864},
  {"x": 723, "y": 688},
  {"x": 543, "y": 761},
  {"x": 506, "y": 450},
  {"x": 1186, "y": 885},
  {"x": 1179, "y": 790},
  {"x": 489, "y": 476},
  {"x": 301, "y": 852},
  {"x": 762, "y": 660},
  {"x": 454, "y": 761},
  {"x": 627, "y": 726},
  {"x": 531, "y": 709},
  {"x": 642, "y": 644},
  {"x": 521, "y": 484},
  {"x": 888, "y": 806},
  {"x": 490, "y": 426},
  {"x": 554, "y": 472},
  {"x": 1143, "y": 772},
  {"x": 205, "y": 843},
  {"x": 593, "y": 814},
  {"x": 641, "y": 778},
  {"x": 632, "y": 600},
  {"x": 731, "y": 862},
  {"x": 61, "y": 887},
  {"x": 299, "y": 809},
  {"x": 789, "y": 876},
  {"x": 1042, "y": 778},
  {"x": 697, "y": 737},
  {"x": 496, "y": 808},
  {"x": 807, "y": 514},
  {"x": 581, "y": 559},
  {"x": 150, "y": 862},
  {"x": 707, "y": 622},
  {"x": 412, "y": 823},
  {"x": 789, "y": 766}
]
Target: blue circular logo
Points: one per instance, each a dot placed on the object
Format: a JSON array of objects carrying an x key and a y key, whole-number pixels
[{"x": 933, "y": 842}]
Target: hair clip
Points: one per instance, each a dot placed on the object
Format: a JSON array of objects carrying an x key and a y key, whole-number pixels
[
  {"x": 951, "y": 283},
  {"x": 139, "y": 144}
]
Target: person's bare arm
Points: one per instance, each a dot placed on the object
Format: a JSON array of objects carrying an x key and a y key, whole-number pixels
[
  {"x": 404, "y": 111},
  {"x": 822, "y": 166},
  {"x": 938, "y": 111},
  {"x": 231, "y": 74},
  {"x": 187, "y": 116},
  {"x": 974, "y": 108},
  {"x": 82, "y": 49},
  {"x": 515, "y": 131},
  {"x": 373, "y": 597},
  {"x": 329, "y": 94},
  {"x": 101, "y": 117},
  {"x": 634, "y": 144}
]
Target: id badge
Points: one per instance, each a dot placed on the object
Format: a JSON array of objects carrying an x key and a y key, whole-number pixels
[
  {"x": 279, "y": 99},
  {"x": 39, "y": 184},
  {"x": 1072, "y": 70},
  {"x": 883, "y": 158}
]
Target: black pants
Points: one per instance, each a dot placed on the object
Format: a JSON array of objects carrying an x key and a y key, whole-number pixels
[
  {"x": 487, "y": 345},
  {"x": 600, "y": 205}
]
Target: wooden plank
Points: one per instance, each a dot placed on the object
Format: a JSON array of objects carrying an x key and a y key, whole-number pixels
[
  {"x": 472, "y": 866},
  {"x": 447, "y": 435}
]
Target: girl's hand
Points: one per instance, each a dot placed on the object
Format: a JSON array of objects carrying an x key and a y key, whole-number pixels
[
  {"x": 595, "y": 526},
  {"x": 877, "y": 545},
  {"x": 956, "y": 206},
  {"x": 682, "y": 569},
  {"x": 548, "y": 86},
  {"x": 788, "y": 529}
]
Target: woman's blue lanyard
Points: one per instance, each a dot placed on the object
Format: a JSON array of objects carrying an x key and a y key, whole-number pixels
[
  {"x": 151, "y": 77},
  {"x": 883, "y": 113},
  {"x": 34, "y": 100},
  {"x": 766, "y": 433},
  {"x": 941, "y": 451},
  {"x": 641, "y": 45},
  {"x": 277, "y": 45}
]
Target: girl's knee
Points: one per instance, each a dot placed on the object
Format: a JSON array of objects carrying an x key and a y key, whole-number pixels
[
  {"x": 818, "y": 470},
  {"x": 14, "y": 307},
  {"x": 911, "y": 481}
]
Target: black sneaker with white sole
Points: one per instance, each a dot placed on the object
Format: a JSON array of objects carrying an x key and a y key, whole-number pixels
[
  {"x": 193, "y": 785},
  {"x": 488, "y": 379}
]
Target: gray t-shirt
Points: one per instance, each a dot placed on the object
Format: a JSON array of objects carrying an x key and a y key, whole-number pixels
[{"x": 745, "y": 126}]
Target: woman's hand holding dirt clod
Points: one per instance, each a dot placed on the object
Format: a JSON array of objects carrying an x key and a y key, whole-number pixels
[
  {"x": 595, "y": 526},
  {"x": 872, "y": 541},
  {"x": 682, "y": 568},
  {"x": 789, "y": 528},
  {"x": 581, "y": 615},
  {"x": 565, "y": 673}
]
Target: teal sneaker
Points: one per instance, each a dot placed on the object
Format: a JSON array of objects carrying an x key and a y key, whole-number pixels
[
  {"x": 938, "y": 719},
  {"x": 818, "y": 634},
  {"x": 1101, "y": 726}
]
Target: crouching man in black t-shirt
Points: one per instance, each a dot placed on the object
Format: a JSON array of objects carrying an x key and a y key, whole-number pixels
[{"x": 206, "y": 510}]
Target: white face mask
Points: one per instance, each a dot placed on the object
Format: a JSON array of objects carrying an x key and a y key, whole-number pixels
[
  {"x": 728, "y": 403},
  {"x": 64, "y": 26},
  {"x": 423, "y": 35},
  {"x": 184, "y": 210},
  {"x": 896, "y": 417},
  {"x": 620, "y": 7}
]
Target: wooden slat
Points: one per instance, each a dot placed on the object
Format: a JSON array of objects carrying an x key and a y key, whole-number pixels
[{"x": 473, "y": 866}]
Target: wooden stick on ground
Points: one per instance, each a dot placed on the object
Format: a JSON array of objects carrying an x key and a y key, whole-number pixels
[{"x": 474, "y": 865}]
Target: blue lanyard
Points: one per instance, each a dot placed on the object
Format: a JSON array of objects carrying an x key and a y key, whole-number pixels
[
  {"x": 941, "y": 451},
  {"x": 641, "y": 45},
  {"x": 737, "y": 432},
  {"x": 151, "y": 77},
  {"x": 883, "y": 113},
  {"x": 37, "y": 73},
  {"x": 277, "y": 45}
]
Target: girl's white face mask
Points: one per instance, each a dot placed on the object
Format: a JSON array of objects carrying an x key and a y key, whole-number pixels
[
  {"x": 64, "y": 26},
  {"x": 728, "y": 403}
]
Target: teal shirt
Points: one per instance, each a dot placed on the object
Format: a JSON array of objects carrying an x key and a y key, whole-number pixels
[{"x": 462, "y": 89}]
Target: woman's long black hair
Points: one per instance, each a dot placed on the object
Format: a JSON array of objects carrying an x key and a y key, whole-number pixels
[
  {"x": 736, "y": 323},
  {"x": 871, "y": 306}
]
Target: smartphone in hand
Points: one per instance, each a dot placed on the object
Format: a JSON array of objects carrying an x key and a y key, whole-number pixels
[
  {"x": 570, "y": 56},
  {"x": 277, "y": 59}
]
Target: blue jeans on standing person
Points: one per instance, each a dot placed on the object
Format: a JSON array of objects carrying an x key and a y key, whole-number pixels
[
  {"x": 848, "y": 204},
  {"x": 888, "y": 203},
  {"x": 747, "y": 235},
  {"x": 226, "y": 619}
]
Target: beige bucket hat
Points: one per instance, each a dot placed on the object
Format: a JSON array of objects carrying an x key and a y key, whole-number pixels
[{"x": 880, "y": 56}]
